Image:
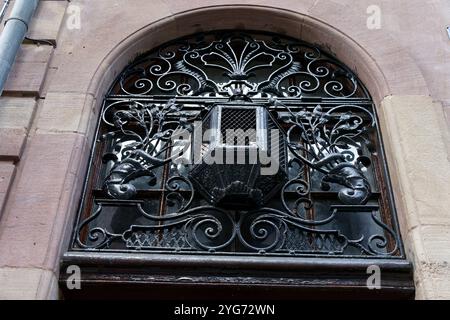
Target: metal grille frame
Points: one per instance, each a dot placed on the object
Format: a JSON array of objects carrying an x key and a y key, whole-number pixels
[{"x": 298, "y": 232}]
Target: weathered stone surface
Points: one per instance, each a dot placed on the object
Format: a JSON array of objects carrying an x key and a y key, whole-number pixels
[
  {"x": 436, "y": 242},
  {"x": 47, "y": 20},
  {"x": 29, "y": 70},
  {"x": 16, "y": 112},
  {"x": 12, "y": 143},
  {"x": 427, "y": 43},
  {"x": 432, "y": 261},
  {"x": 31, "y": 229},
  {"x": 423, "y": 40},
  {"x": 34, "y": 53},
  {"x": 65, "y": 112},
  {"x": 177, "y": 6},
  {"x": 7, "y": 170},
  {"x": 27, "y": 284},
  {"x": 417, "y": 144},
  {"x": 15, "y": 118},
  {"x": 351, "y": 18},
  {"x": 82, "y": 51},
  {"x": 446, "y": 104}
]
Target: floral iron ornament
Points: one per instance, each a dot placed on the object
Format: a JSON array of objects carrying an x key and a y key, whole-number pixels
[
  {"x": 152, "y": 132},
  {"x": 325, "y": 140},
  {"x": 324, "y": 146}
]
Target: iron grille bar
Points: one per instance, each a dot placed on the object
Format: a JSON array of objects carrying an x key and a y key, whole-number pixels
[{"x": 208, "y": 100}]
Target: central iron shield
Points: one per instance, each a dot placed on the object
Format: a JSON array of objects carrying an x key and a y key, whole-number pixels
[{"x": 241, "y": 138}]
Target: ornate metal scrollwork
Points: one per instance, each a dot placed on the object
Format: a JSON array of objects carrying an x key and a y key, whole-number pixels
[
  {"x": 258, "y": 66},
  {"x": 324, "y": 141},
  {"x": 147, "y": 135},
  {"x": 148, "y": 193}
]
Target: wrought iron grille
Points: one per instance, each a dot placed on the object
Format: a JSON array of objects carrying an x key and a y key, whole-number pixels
[{"x": 150, "y": 190}]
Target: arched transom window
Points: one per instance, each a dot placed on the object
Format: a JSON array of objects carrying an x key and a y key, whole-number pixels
[
  {"x": 235, "y": 142},
  {"x": 233, "y": 159},
  {"x": 238, "y": 143}
]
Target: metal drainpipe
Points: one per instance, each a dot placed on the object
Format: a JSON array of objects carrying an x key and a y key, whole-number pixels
[
  {"x": 4, "y": 8},
  {"x": 16, "y": 27}
]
